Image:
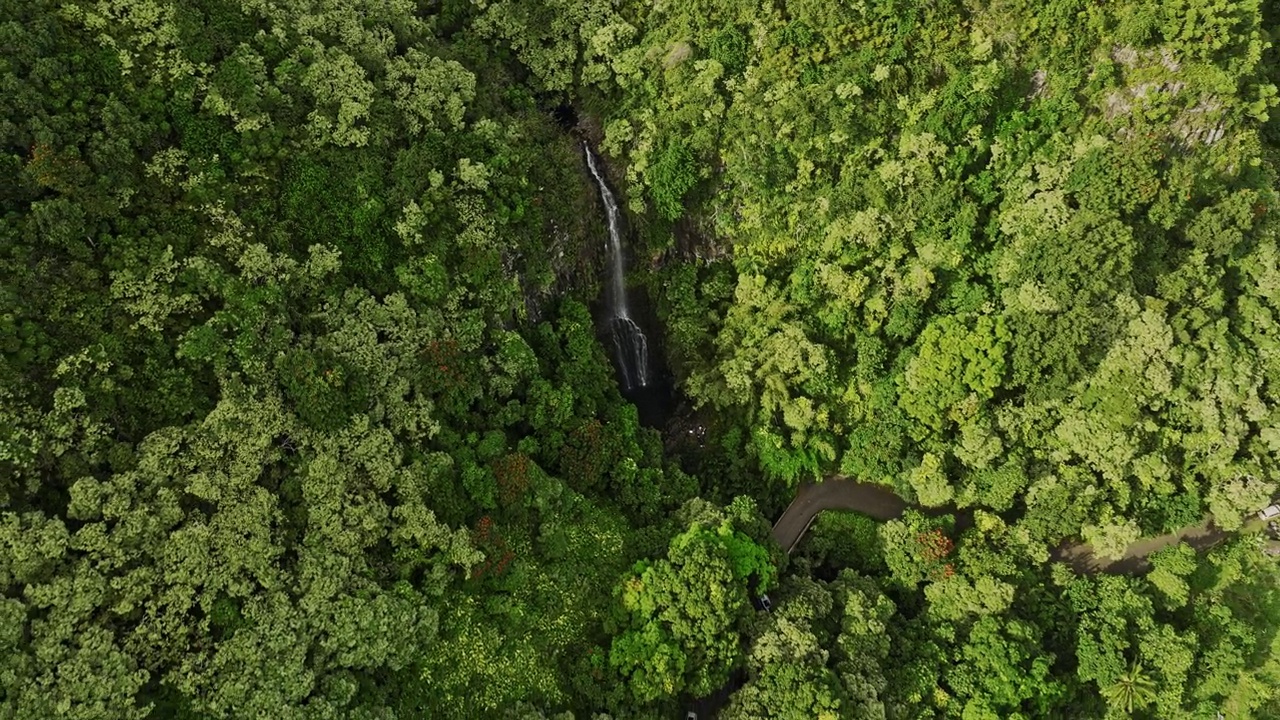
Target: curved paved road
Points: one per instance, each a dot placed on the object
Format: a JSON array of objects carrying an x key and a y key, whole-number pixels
[
  {"x": 877, "y": 501},
  {"x": 882, "y": 503}
]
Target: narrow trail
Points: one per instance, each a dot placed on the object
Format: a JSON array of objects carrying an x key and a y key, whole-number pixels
[{"x": 882, "y": 503}]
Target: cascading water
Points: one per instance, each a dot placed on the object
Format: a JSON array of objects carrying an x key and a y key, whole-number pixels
[{"x": 630, "y": 346}]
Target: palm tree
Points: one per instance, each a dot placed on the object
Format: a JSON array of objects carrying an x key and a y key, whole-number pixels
[{"x": 1133, "y": 689}]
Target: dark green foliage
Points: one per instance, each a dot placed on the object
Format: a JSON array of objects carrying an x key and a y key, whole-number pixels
[
  {"x": 840, "y": 540},
  {"x": 797, "y": 33},
  {"x": 320, "y": 387},
  {"x": 1081, "y": 272},
  {"x": 340, "y": 203},
  {"x": 272, "y": 401},
  {"x": 1168, "y": 513},
  {"x": 729, "y": 48},
  {"x": 303, "y": 413},
  {"x": 672, "y": 176}
]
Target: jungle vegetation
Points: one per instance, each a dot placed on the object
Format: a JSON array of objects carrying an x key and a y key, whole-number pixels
[{"x": 303, "y": 413}]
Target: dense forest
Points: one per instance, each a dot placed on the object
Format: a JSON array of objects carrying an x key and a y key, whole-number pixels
[{"x": 305, "y": 409}]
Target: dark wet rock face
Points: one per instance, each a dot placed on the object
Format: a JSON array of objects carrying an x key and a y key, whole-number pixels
[{"x": 565, "y": 116}]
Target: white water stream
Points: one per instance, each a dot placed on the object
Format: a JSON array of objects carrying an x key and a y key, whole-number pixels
[{"x": 631, "y": 347}]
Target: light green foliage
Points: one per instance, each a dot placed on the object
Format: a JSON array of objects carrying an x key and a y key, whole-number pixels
[
  {"x": 1169, "y": 570},
  {"x": 930, "y": 482},
  {"x": 767, "y": 352},
  {"x": 547, "y": 35},
  {"x": 1026, "y": 256},
  {"x": 303, "y": 413},
  {"x": 485, "y": 666},
  {"x": 909, "y": 548},
  {"x": 1141, "y": 656},
  {"x": 514, "y": 641},
  {"x": 954, "y": 360},
  {"x": 958, "y": 597},
  {"x": 1002, "y": 668},
  {"x": 1232, "y": 501},
  {"x": 1133, "y": 690},
  {"x": 432, "y": 93},
  {"x": 818, "y": 655},
  {"x": 342, "y": 94},
  {"x": 678, "y": 618},
  {"x": 1039, "y": 217},
  {"x": 1110, "y": 540}
]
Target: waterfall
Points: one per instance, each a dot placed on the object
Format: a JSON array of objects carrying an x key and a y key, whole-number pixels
[
  {"x": 630, "y": 346},
  {"x": 615, "y": 291}
]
